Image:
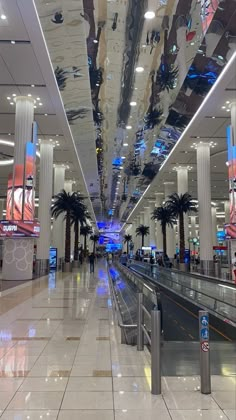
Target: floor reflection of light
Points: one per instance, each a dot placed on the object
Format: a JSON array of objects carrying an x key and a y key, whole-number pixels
[
  {"x": 52, "y": 280},
  {"x": 147, "y": 371},
  {"x": 32, "y": 332},
  {"x": 109, "y": 304},
  {"x": 5, "y": 335}
]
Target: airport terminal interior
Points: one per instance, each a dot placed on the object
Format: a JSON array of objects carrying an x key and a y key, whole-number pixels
[{"x": 118, "y": 209}]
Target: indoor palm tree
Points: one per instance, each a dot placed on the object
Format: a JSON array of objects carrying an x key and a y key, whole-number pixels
[
  {"x": 127, "y": 240},
  {"x": 63, "y": 204},
  {"x": 85, "y": 231},
  {"x": 94, "y": 238},
  {"x": 164, "y": 215},
  {"x": 79, "y": 216},
  {"x": 142, "y": 231},
  {"x": 180, "y": 205}
]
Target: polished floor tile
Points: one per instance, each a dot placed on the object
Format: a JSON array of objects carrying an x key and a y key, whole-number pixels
[
  {"x": 197, "y": 415},
  {"x": 180, "y": 383},
  {"x": 138, "y": 401},
  {"x": 46, "y": 384},
  {"x": 86, "y": 415},
  {"x": 231, "y": 414},
  {"x": 5, "y": 398},
  {"x": 89, "y": 384},
  {"x": 160, "y": 414},
  {"x": 186, "y": 401},
  {"x": 225, "y": 399},
  {"x": 87, "y": 400},
  {"x": 134, "y": 384},
  {"x": 29, "y": 414},
  {"x": 42, "y": 400},
  {"x": 10, "y": 384}
]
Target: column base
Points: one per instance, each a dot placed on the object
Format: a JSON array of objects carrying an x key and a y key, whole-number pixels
[
  {"x": 66, "y": 267},
  {"x": 18, "y": 259},
  {"x": 42, "y": 267},
  {"x": 75, "y": 264},
  {"x": 207, "y": 268}
]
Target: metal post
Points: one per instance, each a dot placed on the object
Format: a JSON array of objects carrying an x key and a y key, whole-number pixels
[
  {"x": 156, "y": 352},
  {"x": 140, "y": 321},
  {"x": 205, "y": 369}
]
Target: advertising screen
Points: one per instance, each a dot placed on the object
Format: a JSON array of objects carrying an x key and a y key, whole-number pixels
[
  {"x": 208, "y": 9},
  {"x": 19, "y": 229},
  {"x": 29, "y": 187},
  {"x": 53, "y": 258}
]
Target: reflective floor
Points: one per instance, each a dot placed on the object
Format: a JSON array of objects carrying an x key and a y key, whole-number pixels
[{"x": 61, "y": 358}]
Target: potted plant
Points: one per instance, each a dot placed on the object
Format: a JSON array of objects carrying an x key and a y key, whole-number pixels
[
  {"x": 85, "y": 231},
  {"x": 63, "y": 204},
  {"x": 79, "y": 216},
  {"x": 127, "y": 240},
  {"x": 142, "y": 231},
  {"x": 164, "y": 215},
  {"x": 180, "y": 205}
]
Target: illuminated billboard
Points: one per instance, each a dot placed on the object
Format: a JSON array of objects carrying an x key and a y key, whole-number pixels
[{"x": 19, "y": 229}]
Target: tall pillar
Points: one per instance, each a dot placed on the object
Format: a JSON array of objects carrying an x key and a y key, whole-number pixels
[
  {"x": 68, "y": 187},
  {"x": 182, "y": 184},
  {"x": 152, "y": 224},
  {"x": 1, "y": 208},
  {"x": 58, "y": 224},
  {"x": 204, "y": 210},
  {"x": 147, "y": 223},
  {"x": 44, "y": 211},
  {"x": 227, "y": 211},
  {"x": 214, "y": 225},
  {"x": 170, "y": 232},
  {"x": 141, "y": 219},
  {"x": 18, "y": 253},
  {"x": 159, "y": 237}
]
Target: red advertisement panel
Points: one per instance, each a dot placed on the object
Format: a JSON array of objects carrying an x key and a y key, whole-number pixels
[
  {"x": 29, "y": 184},
  {"x": 19, "y": 229}
]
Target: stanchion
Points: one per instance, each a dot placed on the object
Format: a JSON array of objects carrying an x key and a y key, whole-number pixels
[
  {"x": 140, "y": 320},
  {"x": 205, "y": 369},
  {"x": 156, "y": 352}
]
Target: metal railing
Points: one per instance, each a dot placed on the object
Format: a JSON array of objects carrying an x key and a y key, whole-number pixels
[{"x": 180, "y": 284}]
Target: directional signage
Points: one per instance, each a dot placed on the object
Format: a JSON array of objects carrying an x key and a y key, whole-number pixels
[
  {"x": 205, "y": 346},
  {"x": 204, "y": 334},
  {"x": 204, "y": 320}
]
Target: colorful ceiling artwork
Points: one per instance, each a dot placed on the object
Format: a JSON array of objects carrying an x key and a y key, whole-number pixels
[{"x": 130, "y": 85}]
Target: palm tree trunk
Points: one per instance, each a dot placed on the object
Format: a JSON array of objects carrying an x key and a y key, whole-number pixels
[
  {"x": 67, "y": 238},
  {"x": 94, "y": 243},
  {"x": 181, "y": 238},
  {"x": 142, "y": 240},
  {"x": 127, "y": 247},
  {"x": 164, "y": 240},
  {"x": 76, "y": 250}
]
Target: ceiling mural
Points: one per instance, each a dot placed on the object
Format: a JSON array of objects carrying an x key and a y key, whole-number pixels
[{"x": 130, "y": 85}]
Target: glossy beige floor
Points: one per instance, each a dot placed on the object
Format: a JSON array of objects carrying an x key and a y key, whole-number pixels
[{"x": 61, "y": 358}]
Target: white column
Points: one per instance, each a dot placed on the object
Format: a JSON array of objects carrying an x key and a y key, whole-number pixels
[
  {"x": 141, "y": 218},
  {"x": 68, "y": 186},
  {"x": 152, "y": 224},
  {"x": 227, "y": 211},
  {"x": 182, "y": 183},
  {"x": 193, "y": 226},
  {"x": 170, "y": 233},
  {"x": 214, "y": 225},
  {"x": 159, "y": 238},
  {"x": 58, "y": 224},
  {"x": 45, "y": 199},
  {"x": 1, "y": 208},
  {"x": 18, "y": 253},
  {"x": 204, "y": 210},
  {"x": 147, "y": 223}
]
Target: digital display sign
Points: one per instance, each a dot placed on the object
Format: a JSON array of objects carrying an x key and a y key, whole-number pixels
[{"x": 19, "y": 229}]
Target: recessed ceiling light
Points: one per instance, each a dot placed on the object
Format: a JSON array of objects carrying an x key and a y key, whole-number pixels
[
  {"x": 128, "y": 127},
  {"x": 32, "y": 85},
  {"x": 149, "y": 14},
  {"x": 13, "y": 42},
  {"x": 14, "y": 94},
  {"x": 227, "y": 102},
  {"x": 46, "y": 115},
  {"x": 122, "y": 157},
  {"x": 213, "y": 118},
  {"x": 29, "y": 94},
  {"x": 223, "y": 107},
  {"x": 40, "y": 104},
  {"x": 11, "y": 103},
  {"x": 228, "y": 110},
  {"x": 9, "y": 134},
  {"x": 57, "y": 135},
  {"x": 139, "y": 69},
  {"x": 3, "y": 17},
  {"x": 95, "y": 41},
  {"x": 133, "y": 103},
  {"x": 8, "y": 98},
  {"x": 125, "y": 144},
  {"x": 97, "y": 84},
  {"x": 35, "y": 106},
  {"x": 38, "y": 99}
]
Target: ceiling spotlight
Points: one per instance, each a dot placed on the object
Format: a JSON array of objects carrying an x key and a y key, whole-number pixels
[
  {"x": 13, "y": 42},
  {"x": 11, "y": 103},
  {"x": 97, "y": 84},
  {"x": 213, "y": 118},
  {"x": 149, "y": 15},
  {"x": 122, "y": 157},
  {"x": 227, "y": 102},
  {"x": 38, "y": 99},
  {"x": 128, "y": 127},
  {"x": 3, "y": 17},
  {"x": 125, "y": 144},
  {"x": 95, "y": 41},
  {"x": 14, "y": 95},
  {"x": 8, "y": 98},
  {"x": 228, "y": 110},
  {"x": 29, "y": 94},
  {"x": 32, "y": 85},
  {"x": 40, "y": 104},
  {"x": 35, "y": 106},
  {"x": 223, "y": 107},
  {"x": 133, "y": 103},
  {"x": 139, "y": 69},
  {"x": 46, "y": 115},
  {"x": 9, "y": 134}
]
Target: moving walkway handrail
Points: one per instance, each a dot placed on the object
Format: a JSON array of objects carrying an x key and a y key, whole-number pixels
[{"x": 197, "y": 292}]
